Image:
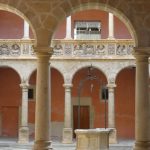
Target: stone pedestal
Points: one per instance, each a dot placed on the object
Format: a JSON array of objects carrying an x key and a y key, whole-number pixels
[
  {"x": 23, "y": 135},
  {"x": 113, "y": 136},
  {"x": 67, "y": 135},
  {"x": 92, "y": 139}
]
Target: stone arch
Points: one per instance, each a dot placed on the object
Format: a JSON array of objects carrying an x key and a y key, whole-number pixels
[
  {"x": 124, "y": 67},
  {"x": 113, "y": 10},
  {"x": 13, "y": 68},
  {"x": 52, "y": 66},
  {"x": 58, "y": 69},
  {"x": 13, "y": 8},
  {"x": 121, "y": 14},
  {"x": 31, "y": 73},
  {"x": 44, "y": 27},
  {"x": 84, "y": 65},
  {"x": 89, "y": 93}
]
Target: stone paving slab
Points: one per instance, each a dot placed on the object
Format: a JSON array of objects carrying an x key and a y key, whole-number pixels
[{"x": 13, "y": 145}]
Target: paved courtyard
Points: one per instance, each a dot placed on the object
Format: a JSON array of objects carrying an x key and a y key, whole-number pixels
[{"x": 11, "y": 144}]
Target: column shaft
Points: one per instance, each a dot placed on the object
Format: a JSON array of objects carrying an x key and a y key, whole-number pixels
[
  {"x": 111, "y": 26},
  {"x": 67, "y": 123},
  {"x": 24, "y": 108},
  {"x": 42, "y": 114},
  {"x": 111, "y": 107},
  {"x": 142, "y": 105},
  {"x": 68, "y": 28},
  {"x": 111, "y": 113},
  {"x": 24, "y": 130},
  {"x": 26, "y": 30},
  {"x": 67, "y": 131}
]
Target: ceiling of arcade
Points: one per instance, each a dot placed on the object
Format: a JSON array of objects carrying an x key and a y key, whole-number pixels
[{"x": 44, "y": 16}]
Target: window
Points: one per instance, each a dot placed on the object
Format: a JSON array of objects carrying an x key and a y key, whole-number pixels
[
  {"x": 31, "y": 93},
  {"x": 87, "y": 30},
  {"x": 104, "y": 93}
]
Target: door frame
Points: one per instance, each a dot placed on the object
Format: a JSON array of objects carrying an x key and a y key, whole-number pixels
[{"x": 84, "y": 101}]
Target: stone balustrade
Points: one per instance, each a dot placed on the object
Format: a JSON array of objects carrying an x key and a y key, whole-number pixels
[{"x": 70, "y": 49}]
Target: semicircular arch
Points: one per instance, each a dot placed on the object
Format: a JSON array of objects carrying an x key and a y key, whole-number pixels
[
  {"x": 123, "y": 68},
  {"x": 105, "y": 7},
  {"x": 21, "y": 13},
  {"x": 85, "y": 65},
  {"x": 13, "y": 68}
]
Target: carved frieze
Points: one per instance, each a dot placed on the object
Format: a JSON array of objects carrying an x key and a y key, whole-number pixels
[
  {"x": 15, "y": 50},
  {"x": 111, "y": 49},
  {"x": 100, "y": 49},
  {"x": 58, "y": 50},
  {"x": 4, "y": 50},
  {"x": 70, "y": 49}
]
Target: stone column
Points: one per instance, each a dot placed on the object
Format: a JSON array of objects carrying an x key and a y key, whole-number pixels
[
  {"x": 111, "y": 112},
  {"x": 142, "y": 104},
  {"x": 67, "y": 130},
  {"x": 24, "y": 129},
  {"x": 68, "y": 28},
  {"x": 42, "y": 113},
  {"x": 26, "y": 30},
  {"x": 111, "y": 26}
]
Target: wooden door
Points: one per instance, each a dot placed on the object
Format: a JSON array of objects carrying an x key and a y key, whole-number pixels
[
  {"x": 10, "y": 117},
  {"x": 84, "y": 117}
]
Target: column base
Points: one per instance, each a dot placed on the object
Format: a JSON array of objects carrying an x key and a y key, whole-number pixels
[
  {"x": 42, "y": 145},
  {"x": 67, "y": 136},
  {"x": 142, "y": 145},
  {"x": 23, "y": 135},
  {"x": 113, "y": 136}
]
